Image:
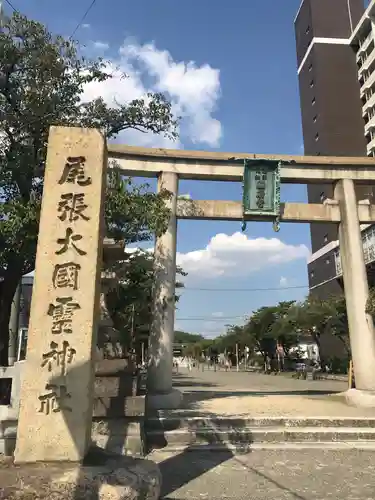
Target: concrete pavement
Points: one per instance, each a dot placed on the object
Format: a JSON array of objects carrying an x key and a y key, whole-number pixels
[
  {"x": 254, "y": 394},
  {"x": 274, "y": 475},
  {"x": 289, "y": 474}
]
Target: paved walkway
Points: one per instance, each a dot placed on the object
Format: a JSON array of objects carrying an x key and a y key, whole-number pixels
[
  {"x": 274, "y": 474},
  {"x": 255, "y": 395},
  {"x": 271, "y": 475}
]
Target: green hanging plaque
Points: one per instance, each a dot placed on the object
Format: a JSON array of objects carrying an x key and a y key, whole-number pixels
[{"x": 261, "y": 191}]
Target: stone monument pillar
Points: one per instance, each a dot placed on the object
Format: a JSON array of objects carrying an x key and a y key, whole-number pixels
[
  {"x": 159, "y": 380},
  {"x": 56, "y": 401}
]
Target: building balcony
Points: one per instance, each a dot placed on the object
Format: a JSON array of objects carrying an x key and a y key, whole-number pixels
[
  {"x": 368, "y": 239},
  {"x": 371, "y": 147},
  {"x": 368, "y": 62},
  {"x": 369, "y": 104},
  {"x": 370, "y": 125},
  {"x": 364, "y": 45},
  {"x": 368, "y": 83}
]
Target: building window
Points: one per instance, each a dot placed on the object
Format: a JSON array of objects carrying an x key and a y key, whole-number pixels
[
  {"x": 312, "y": 274},
  {"x": 307, "y": 30},
  {"x": 317, "y": 136},
  {"x": 315, "y": 118},
  {"x": 313, "y": 101},
  {"x": 323, "y": 196},
  {"x": 310, "y": 67},
  {"x": 311, "y": 84},
  {"x": 326, "y": 238}
]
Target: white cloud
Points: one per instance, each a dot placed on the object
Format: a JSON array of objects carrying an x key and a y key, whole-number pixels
[
  {"x": 283, "y": 281},
  {"x": 217, "y": 314},
  {"x": 238, "y": 255},
  {"x": 86, "y": 26},
  {"x": 192, "y": 90}
]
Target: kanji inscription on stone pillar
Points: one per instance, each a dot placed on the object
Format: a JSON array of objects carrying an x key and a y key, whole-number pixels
[{"x": 58, "y": 379}]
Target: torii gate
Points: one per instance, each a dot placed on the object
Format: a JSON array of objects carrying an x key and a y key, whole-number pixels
[
  {"x": 57, "y": 390},
  {"x": 171, "y": 165}
]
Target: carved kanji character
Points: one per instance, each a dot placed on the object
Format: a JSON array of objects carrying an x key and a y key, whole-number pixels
[
  {"x": 60, "y": 357},
  {"x": 69, "y": 242},
  {"x": 62, "y": 314},
  {"x": 55, "y": 400},
  {"x": 66, "y": 275},
  {"x": 72, "y": 207},
  {"x": 74, "y": 171}
]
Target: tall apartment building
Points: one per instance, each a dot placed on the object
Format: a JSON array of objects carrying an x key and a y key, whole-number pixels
[{"x": 336, "y": 72}]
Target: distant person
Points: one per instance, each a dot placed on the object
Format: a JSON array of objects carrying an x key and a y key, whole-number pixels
[
  {"x": 175, "y": 365},
  {"x": 227, "y": 364}
]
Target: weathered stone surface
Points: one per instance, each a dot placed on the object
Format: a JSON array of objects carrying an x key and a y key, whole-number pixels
[
  {"x": 104, "y": 477},
  {"x": 58, "y": 379},
  {"x": 360, "y": 399},
  {"x": 121, "y": 385},
  {"x": 130, "y": 406},
  {"x": 106, "y": 367},
  {"x": 123, "y": 435}
]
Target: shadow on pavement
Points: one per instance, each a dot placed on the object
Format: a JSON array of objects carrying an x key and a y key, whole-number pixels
[
  {"x": 180, "y": 469},
  {"x": 188, "y": 465}
]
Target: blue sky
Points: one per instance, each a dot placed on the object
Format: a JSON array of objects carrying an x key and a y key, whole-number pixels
[{"x": 229, "y": 69}]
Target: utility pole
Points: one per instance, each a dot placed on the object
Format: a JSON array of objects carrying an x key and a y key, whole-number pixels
[{"x": 237, "y": 360}]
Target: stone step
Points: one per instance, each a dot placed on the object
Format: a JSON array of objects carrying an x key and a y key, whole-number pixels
[
  {"x": 304, "y": 445},
  {"x": 188, "y": 422},
  {"x": 241, "y": 439}
]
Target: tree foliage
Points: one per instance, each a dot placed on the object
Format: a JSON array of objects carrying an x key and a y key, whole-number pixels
[
  {"x": 186, "y": 337},
  {"x": 285, "y": 324},
  {"x": 42, "y": 83},
  {"x": 130, "y": 303}
]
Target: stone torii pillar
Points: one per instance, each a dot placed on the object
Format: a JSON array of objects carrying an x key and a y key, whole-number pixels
[
  {"x": 161, "y": 395},
  {"x": 361, "y": 327}
]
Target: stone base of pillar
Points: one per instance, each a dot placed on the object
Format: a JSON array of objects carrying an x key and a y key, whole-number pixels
[
  {"x": 164, "y": 401},
  {"x": 361, "y": 399}
]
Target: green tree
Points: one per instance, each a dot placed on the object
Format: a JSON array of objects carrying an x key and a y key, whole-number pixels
[
  {"x": 130, "y": 302},
  {"x": 235, "y": 334},
  {"x": 187, "y": 338},
  {"x": 337, "y": 321},
  {"x": 268, "y": 326},
  {"x": 42, "y": 79},
  {"x": 311, "y": 318}
]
